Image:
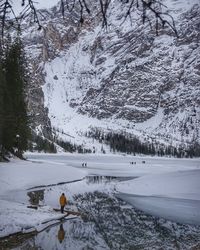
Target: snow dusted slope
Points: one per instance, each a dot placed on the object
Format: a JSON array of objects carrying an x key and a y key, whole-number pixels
[{"x": 123, "y": 78}]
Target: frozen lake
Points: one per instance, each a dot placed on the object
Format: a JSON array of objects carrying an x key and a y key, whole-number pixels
[
  {"x": 107, "y": 223},
  {"x": 113, "y": 192}
]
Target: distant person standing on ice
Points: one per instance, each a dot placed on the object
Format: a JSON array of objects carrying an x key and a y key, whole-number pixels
[{"x": 63, "y": 202}]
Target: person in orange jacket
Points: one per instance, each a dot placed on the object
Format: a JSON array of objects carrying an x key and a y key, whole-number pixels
[{"x": 63, "y": 202}]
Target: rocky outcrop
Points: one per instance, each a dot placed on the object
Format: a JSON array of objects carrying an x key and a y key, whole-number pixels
[{"x": 38, "y": 113}]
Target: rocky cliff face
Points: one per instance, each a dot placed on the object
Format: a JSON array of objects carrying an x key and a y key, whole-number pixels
[
  {"x": 126, "y": 76},
  {"x": 43, "y": 46}
]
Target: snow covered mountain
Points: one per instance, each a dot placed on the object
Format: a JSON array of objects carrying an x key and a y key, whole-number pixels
[{"x": 124, "y": 78}]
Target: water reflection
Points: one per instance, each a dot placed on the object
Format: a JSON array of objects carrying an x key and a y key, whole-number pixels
[
  {"x": 61, "y": 233},
  {"x": 35, "y": 197},
  {"x": 106, "y": 216},
  {"x": 108, "y": 223},
  {"x": 96, "y": 179}
]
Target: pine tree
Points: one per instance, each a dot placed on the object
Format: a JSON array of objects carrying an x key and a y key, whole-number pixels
[
  {"x": 15, "y": 128},
  {"x": 2, "y": 86}
]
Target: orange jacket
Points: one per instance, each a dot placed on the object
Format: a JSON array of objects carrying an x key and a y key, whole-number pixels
[{"x": 63, "y": 200}]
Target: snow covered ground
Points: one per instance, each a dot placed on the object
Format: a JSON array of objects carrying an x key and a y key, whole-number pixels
[
  {"x": 18, "y": 176},
  {"x": 166, "y": 187}
]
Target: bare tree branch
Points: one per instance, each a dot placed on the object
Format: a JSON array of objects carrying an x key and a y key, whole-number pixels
[
  {"x": 35, "y": 16},
  {"x": 62, "y": 7},
  {"x": 159, "y": 16},
  {"x": 151, "y": 10},
  {"x": 6, "y": 6},
  {"x": 86, "y": 6},
  {"x": 72, "y": 3},
  {"x": 104, "y": 4}
]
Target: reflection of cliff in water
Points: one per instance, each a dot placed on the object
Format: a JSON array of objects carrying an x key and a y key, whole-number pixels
[
  {"x": 93, "y": 179},
  {"x": 109, "y": 223},
  {"x": 123, "y": 227},
  {"x": 35, "y": 197}
]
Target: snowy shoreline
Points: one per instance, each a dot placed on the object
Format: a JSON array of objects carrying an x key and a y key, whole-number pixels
[{"x": 17, "y": 177}]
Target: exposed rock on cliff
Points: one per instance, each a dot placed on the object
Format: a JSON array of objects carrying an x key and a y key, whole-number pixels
[{"x": 126, "y": 76}]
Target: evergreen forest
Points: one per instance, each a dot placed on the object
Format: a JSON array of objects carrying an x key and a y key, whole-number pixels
[
  {"x": 14, "y": 129},
  {"x": 131, "y": 144}
]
